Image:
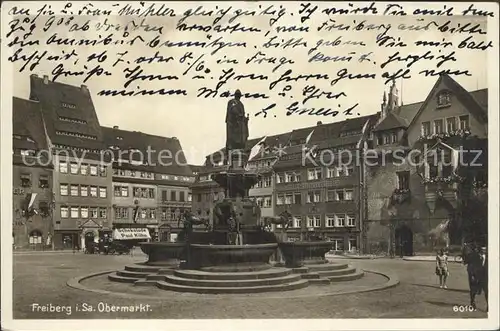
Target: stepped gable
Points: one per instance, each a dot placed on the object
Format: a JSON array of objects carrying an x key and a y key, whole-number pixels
[
  {"x": 68, "y": 112},
  {"x": 167, "y": 150},
  {"x": 27, "y": 129}
]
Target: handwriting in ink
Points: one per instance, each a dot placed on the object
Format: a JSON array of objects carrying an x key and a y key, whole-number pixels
[
  {"x": 137, "y": 74},
  {"x": 260, "y": 58},
  {"x": 312, "y": 92}
]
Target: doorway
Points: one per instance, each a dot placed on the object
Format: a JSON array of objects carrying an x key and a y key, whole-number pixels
[
  {"x": 404, "y": 241},
  {"x": 89, "y": 239}
]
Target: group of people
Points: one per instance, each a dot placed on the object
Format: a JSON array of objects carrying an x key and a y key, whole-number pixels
[{"x": 475, "y": 259}]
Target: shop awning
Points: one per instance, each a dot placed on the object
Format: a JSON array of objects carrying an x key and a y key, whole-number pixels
[{"x": 131, "y": 234}]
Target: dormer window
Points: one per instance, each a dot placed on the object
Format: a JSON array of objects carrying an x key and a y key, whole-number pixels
[
  {"x": 68, "y": 105},
  {"x": 444, "y": 99},
  {"x": 394, "y": 138}
]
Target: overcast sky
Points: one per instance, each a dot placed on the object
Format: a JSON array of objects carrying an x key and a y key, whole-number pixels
[{"x": 199, "y": 123}]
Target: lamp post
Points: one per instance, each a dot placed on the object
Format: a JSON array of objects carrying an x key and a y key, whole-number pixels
[{"x": 392, "y": 239}]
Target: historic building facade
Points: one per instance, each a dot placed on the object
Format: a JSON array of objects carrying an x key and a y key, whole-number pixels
[
  {"x": 149, "y": 190},
  {"x": 73, "y": 192},
  {"x": 31, "y": 179},
  {"x": 418, "y": 186}
]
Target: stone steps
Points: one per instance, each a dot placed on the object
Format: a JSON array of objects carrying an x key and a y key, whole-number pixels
[
  {"x": 196, "y": 274},
  {"x": 223, "y": 283},
  {"x": 336, "y": 272},
  {"x": 121, "y": 279},
  {"x": 132, "y": 274},
  {"x": 234, "y": 290},
  {"x": 156, "y": 277},
  {"x": 310, "y": 275},
  {"x": 142, "y": 268},
  {"x": 327, "y": 266}
]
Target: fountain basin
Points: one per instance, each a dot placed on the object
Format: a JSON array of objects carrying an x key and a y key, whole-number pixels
[
  {"x": 231, "y": 258},
  {"x": 298, "y": 253},
  {"x": 163, "y": 253}
]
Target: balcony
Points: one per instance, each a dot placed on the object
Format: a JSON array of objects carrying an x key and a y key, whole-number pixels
[{"x": 450, "y": 138}]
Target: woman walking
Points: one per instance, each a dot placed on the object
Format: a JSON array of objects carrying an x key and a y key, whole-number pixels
[{"x": 442, "y": 268}]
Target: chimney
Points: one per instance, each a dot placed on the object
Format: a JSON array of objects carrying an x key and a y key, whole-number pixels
[
  {"x": 45, "y": 79},
  {"x": 319, "y": 123},
  {"x": 115, "y": 126}
]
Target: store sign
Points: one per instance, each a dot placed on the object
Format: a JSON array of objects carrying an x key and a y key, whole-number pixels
[{"x": 131, "y": 233}]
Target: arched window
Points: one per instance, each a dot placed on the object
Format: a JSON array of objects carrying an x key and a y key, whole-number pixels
[{"x": 35, "y": 237}]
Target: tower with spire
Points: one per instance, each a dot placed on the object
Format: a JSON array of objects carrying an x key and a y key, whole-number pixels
[{"x": 389, "y": 104}]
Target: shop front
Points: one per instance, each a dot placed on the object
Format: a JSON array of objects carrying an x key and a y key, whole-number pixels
[
  {"x": 67, "y": 239},
  {"x": 131, "y": 235}
]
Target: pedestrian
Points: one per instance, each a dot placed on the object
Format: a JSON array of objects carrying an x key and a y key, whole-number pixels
[{"x": 442, "y": 267}]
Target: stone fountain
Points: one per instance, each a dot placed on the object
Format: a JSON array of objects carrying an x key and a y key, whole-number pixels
[{"x": 233, "y": 257}]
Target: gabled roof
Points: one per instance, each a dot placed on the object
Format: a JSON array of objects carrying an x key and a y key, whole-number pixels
[
  {"x": 167, "y": 156},
  {"x": 392, "y": 121},
  {"x": 461, "y": 94},
  {"x": 62, "y": 101},
  {"x": 27, "y": 123}
]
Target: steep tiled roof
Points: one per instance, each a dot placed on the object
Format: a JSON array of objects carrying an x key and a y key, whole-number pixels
[
  {"x": 392, "y": 121},
  {"x": 28, "y": 130},
  {"x": 166, "y": 154},
  {"x": 475, "y": 103},
  {"x": 67, "y": 108}
]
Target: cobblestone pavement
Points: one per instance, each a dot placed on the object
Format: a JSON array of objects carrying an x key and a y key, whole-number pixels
[{"x": 41, "y": 279}]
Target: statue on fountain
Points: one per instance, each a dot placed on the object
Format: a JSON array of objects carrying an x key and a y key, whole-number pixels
[
  {"x": 236, "y": 126},
  {"x": 284, "y": 219},
  {"x": 188, "y": 220}
]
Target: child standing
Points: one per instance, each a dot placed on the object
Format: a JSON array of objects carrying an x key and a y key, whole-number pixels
[{"x": 442, "y": 268}]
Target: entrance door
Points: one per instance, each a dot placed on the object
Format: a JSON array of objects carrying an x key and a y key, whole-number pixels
[
  {"x": 89, "y": 238},
  {"x": 404, "y": 241}
]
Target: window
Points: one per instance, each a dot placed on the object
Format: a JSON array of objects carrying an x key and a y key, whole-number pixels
[
  {"x": 121, "y": 212},
  {"x": 93, "y": 170},
  {"x": 63, "y": 189},
  {"x": 190, "y": 197},
  {"x": 93, "y": 191},
  {"x": 313, "y": 221},
  {"x": 433, "y": 171},
  {"x": 267, "y": 181},
  {"x": 464, "y": 122},
  {"x": 340, "y": 221},
  {"x": 331, "y": 195},
  {"x": 289, "y": 177},
  {"x": 340, "y": 196},
  {"x": 280, "y": 178},
  {"x": 348, "y": 195},
  {"x": 426, "y": 128},
  {"x": 152, "y": 213},
  {"x": 25, "y": 180},
  {"x": 314, "y": 174},
  {"x": 74, "y": 190},
  {"x": 63, "y": 167},
  {"x": 380, "y": 139},
  {"x": 438, "y": 126},
  {"x": 394, "y": 138},
  {"x": 330, "y": 221},
  {"x": 64, "y": 212},
  {"x": 164, "y": 213},
  {"x": 260, "y": 201},
  {"x": 403, "y": 180},
  {"x": 102, "y": 192},
  {"x": 297, "y": 198},
  {"x": 84, "y": 212},
  {"x": 181, "y": 195},
  {"x": 443, "y": 99},
  {"x": 331, "y": 172},
  {"x": 268, "y": 202},
  {"x": 198, "y": 197},
  {"x": 74, "y": 212},
  {"x": 73, "y": 167},
  {"x": 288, "y": 199},
  {"x": 173, "y": 196},
  {"x": 387, "y": 139},
  {"x": 102, "y": 212},
  {"x": 280, "y": 199},
  {"x": 297, "y": 222},
  {"x": 351, "y": 220},
  {"x": 43, "y": 206},
  {"x": 43, "y": 181},
  {"x": 35, "y": 237},
  {"x": 84, "y": 169},
  {"x": 451, "y": 124},
  {"x": 143, "y": 213},
  {"x": 102, "y": 171},
  {"x": 93, "y": 212},
  {"x": 123, "y": 191}
]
